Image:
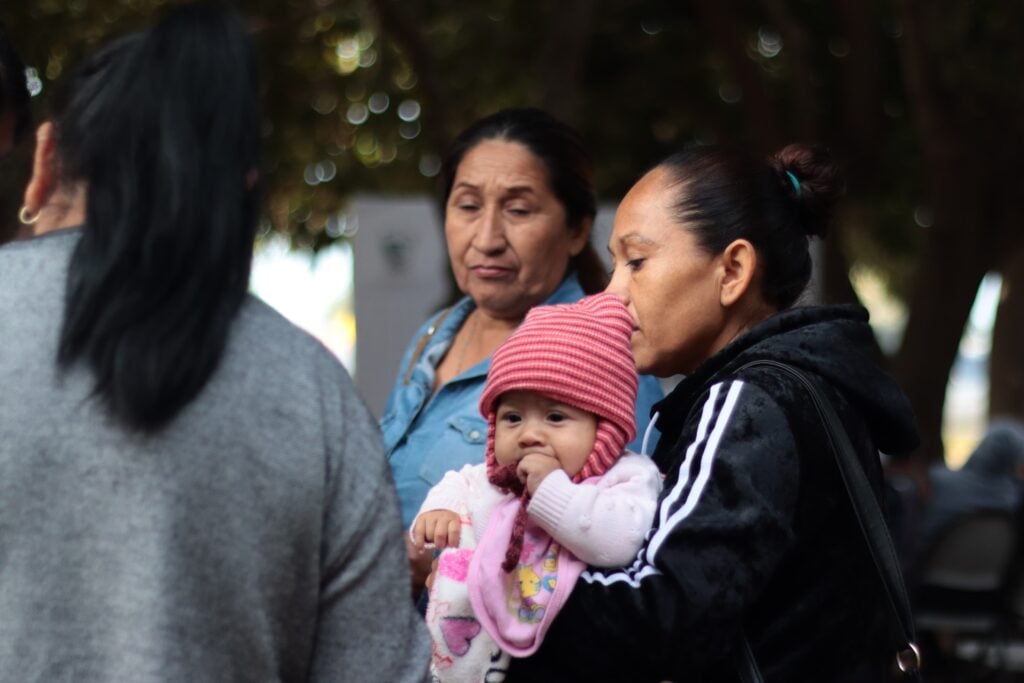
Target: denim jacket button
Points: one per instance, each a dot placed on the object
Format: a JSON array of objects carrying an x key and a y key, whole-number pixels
[{"x": 474, "y": 435}]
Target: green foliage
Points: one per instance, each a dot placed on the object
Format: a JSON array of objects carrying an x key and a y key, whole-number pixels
[{"x": 650, "y": 77}]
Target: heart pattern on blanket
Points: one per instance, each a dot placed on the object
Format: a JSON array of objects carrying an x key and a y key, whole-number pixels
[{"x": 459, "y": 633}]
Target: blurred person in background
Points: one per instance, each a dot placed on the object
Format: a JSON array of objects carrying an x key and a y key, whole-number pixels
[
  {"x": 990, "y": 479},
  {"x": 192, "y": 490},
  {"x": 519, "y": 205}
]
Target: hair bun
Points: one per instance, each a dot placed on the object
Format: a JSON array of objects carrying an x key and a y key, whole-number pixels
[{"x": 810, "y": 176}]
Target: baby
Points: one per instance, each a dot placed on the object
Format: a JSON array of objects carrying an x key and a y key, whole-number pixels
[{"x": 556, "y": 493}]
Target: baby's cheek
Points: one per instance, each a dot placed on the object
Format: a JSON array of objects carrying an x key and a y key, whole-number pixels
[{"x": 504, "y": 453}]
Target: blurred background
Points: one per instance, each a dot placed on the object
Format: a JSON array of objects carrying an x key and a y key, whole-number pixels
[{"x": 920, "y": 101}]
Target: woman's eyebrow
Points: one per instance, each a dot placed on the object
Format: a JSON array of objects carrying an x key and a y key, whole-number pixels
[
  {"x": 632, "y": 238},
  {"x": 520, "y": 189},
  {"x": 636, "y": 238},
  {"x": 464, "y": 184}
]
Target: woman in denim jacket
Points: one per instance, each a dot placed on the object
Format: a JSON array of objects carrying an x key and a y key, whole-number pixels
[{"x": 519, "y": 207}]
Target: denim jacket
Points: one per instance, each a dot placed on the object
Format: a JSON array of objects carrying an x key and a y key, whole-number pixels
[{"x": 427, "y": 436}]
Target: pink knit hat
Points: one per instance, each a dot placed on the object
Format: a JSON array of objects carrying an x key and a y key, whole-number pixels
[{"x": 578, "y": 354}]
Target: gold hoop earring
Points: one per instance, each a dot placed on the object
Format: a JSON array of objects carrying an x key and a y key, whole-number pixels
[{"x": 26, "y": 217}]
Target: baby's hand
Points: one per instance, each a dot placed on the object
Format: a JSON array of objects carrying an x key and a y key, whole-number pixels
[
  {"x": 440, "y": 527},
  {"x": 533, "y": 468}
]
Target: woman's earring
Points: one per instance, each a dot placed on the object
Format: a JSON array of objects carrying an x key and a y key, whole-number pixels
[{"x": 26, "y": 217}]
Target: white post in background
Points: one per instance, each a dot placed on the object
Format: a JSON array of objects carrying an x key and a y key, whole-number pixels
[{"x": 400, "y": 260}]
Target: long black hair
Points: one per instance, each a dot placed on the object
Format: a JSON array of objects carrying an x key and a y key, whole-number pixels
[
  {"x": 162, "y": 128},
  {"x": 568, "y": 164}
]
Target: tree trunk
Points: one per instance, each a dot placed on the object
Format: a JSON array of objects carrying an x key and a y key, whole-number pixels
[
  {"x": 862, "y": 95},
  {"x": 718, "y": 18},
  {"x": 1006, "y": 362},
  {"x": 953, "y": 259},
  {"x": 560, "y": 65},
  {"x": 956, "y": 255}
]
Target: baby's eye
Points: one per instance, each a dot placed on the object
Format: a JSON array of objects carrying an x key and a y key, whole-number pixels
[
  {"x": 556, "y": 417},
  {"x": 511, "y": 418}
]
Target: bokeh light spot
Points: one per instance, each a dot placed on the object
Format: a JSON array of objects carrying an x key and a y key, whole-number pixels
[
  {"x": 357, "y": 114},
  {"x": 430, "y": 165},
  {"x": 409, "y": 110},
  {"x": 379, "y": 102}
]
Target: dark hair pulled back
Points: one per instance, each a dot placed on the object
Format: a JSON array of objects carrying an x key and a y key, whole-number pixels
[
  {"x": 162, "y": 128},
  {"x": 568, "y": 164},
  {"x": 776, "y": 204}
]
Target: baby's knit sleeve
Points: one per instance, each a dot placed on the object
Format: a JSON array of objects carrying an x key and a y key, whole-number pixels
[{"x": 602, "y": 520}]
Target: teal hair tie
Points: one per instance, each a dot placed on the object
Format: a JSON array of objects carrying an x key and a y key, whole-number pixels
[{"x": 796, "y": 183}]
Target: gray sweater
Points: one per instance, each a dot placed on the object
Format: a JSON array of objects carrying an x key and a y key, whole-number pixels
[{"x": 256, "y": 538}]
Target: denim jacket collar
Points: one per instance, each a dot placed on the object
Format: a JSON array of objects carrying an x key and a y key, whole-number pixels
[{"x": 567, "y": 292}]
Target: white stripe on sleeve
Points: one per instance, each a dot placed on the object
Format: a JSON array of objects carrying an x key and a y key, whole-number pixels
[{"x": 704, "y": 447}]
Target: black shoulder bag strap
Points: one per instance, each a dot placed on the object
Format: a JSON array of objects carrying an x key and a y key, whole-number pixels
[{"x": 872, "y": 524}]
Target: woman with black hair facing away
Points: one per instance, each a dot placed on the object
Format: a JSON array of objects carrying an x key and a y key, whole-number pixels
[
  {"x": 755, "y": 535},
  {"x": 192, "y": 490}
]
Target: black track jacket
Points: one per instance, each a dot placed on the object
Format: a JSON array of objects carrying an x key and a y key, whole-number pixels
[{"x": 754, "y": 529}]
